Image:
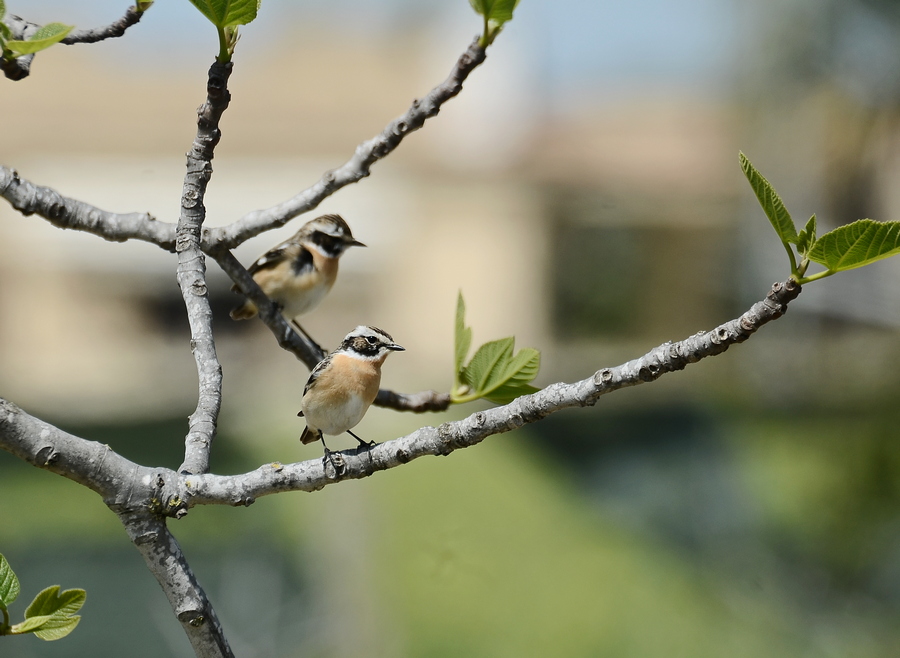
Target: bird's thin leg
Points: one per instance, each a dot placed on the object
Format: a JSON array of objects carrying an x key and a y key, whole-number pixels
[
  {"x": 368, "y": 444},
  {"x": 328, "y": 456},
  {"x": 297, "y": 326}
]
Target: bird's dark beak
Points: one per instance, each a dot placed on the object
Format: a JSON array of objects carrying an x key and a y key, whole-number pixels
[
  {"x": 396, "y": 348},
  {"x": 354, "y": 243}
]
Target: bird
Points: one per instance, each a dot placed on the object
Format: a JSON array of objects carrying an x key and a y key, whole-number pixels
[
  {"x": 343, "y": 385},
  {"x": 297, "y": 273}
]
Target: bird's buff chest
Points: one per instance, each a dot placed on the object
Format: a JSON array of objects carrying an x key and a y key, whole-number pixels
[
  {"x": 342, "y": 394},
  {"x": 299, "y": 294}
]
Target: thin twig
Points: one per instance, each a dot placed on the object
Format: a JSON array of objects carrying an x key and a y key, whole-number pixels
[
  {"x": 113, "y": 30},
  {"x": 19, "y": 68},
  {"x": 357, "y": 168},
  {"x": 310, "y": 354}
]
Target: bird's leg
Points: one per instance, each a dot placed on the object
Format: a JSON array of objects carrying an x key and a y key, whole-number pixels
[
  {"x": 296, "y": 325},
  {"x": 368, "y": 444},
  {"x": 329, "y": 457}
]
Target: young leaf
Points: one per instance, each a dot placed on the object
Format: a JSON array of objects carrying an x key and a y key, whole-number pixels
[
  {"x": 520, "y": 370},
  {"x": 854, "y": 245},
  {"x": 45, "y": 37},
  {"x": 30, "y": 625},
  {"x": 486, "y": 370},
  {"x": 57, "y": 627},
  {"x": 496, "y": 14},
  {"x": 225, "y": 13},
  {"x": 463, "y": 338},
  {"x": 807, "y": 237},
  {"x": 51, "y": 602},
  {"x": 771, "y": 203},
  {"x": 9, "y": 584},
  {"x": 506, "y": 394},
  {"x": 524, "y": 367}
]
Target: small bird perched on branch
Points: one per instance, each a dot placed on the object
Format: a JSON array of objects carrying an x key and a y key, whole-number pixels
[
  {"x": 299, "y": 272},
  {"x": 343, "y": 385}
]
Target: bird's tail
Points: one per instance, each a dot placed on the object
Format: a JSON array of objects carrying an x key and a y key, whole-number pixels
[
  {"x": 243, "y": 312},
  {"x": 309, "y": 436}
]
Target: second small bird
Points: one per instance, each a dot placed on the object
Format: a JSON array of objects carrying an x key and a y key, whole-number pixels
[
  {"x": 299, "y": 272},
  {"x": 343, "y": 385}
]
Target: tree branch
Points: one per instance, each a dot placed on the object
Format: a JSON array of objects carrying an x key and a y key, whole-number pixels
[
  {"x": 357, "y": 168},
  {"x": 126, "y": 486},
  {"x": 269, "y": 312},
  {"x": 135, "y": 494},
  {"x": 166, "y": 561},
  {"x": 141, "y": 495},
  {"x": 191, "y": 273},
  {"x": 360, "y": 462},
  {"x": 307, "y": 352},
  {"x": 115, "y": 29},
  {"x": 20, "y": 67},
  {"x": 63, "y": 212}
]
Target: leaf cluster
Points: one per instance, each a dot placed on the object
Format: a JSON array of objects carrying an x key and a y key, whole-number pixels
[
  {"x": 50, "y": 616},
  {"x": 494, "y": 373},
  {"x": 45, "y": 37},
  {"x": 847, "y": 247},
  {"x": 496, "y": 13}
]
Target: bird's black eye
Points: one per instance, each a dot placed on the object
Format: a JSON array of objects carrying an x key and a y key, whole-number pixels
[{"x": 372, "y": 340}]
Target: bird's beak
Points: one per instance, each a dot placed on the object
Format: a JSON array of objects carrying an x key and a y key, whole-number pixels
[
  {"x": 354, "y": 243},
  {"x": 396, "y": 348}
]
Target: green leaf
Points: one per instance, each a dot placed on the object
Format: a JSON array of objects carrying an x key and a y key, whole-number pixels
[
  {"x": 520, "y": 370},
  {"x": 499, "y": 11},
  {"x": 57, "y": 627},
  {"x": 771, "y": 203},
  {"x": 44, "y": 38},
  {"x": 2, "y": 9},
  {"x": 51, "y": 602},
  {"x": 807, "y": 237},
  {"x": 30, "y": 625},
  {"x": 506, "y": 394},
  {"x": 486, "y": 370},
  {"x": 854, "y": 245},
  {"x": 463, "y": 338},
  {"x": 496, "y": 14},
  {"x": 524, "y": 367},
  {"x": 9, "y": 584},
  {"x": 226, "y": 13}
]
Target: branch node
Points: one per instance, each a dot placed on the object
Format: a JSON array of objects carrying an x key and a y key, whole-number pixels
[{"x": 603, "y": 377}]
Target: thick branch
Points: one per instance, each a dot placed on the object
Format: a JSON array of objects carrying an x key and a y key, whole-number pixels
[
  {"x": 191, "y": 272},
  {"x": 89, "y": 463},
  {"x": 167, "y": 563},
  {"x": 63, "y": 212},
  {"x": 367, "y": 154},
  {"x": 135, "y": 494}
]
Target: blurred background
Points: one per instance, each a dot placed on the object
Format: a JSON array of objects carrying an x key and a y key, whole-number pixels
[{"x": 585, "y": 195}]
